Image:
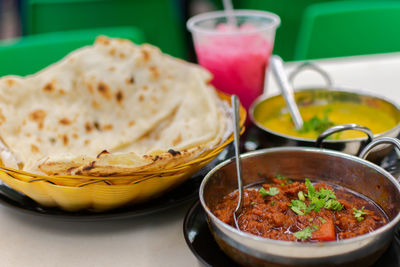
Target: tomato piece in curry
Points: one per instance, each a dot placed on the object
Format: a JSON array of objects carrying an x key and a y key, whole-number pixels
[{"x": 302, "y": 211}]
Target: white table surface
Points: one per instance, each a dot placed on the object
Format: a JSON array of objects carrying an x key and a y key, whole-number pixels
[{"x": 157, "y": 240}]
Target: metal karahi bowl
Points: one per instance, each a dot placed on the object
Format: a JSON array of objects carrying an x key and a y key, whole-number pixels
[
  {"x": 323, "y": 95},
  {"x": 74, "y": 193},
  {"x": 299, "y": 163}
]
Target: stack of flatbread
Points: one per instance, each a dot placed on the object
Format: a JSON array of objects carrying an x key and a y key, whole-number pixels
[{"x": 113, "y": 108}]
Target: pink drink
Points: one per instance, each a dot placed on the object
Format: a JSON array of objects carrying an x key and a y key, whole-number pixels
[{"x": 237, "y": 61}]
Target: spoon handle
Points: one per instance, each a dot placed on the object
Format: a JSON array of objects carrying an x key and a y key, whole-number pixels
[
  {"x": 286, "y": 89},
  {"x": 236, "y": 133}
]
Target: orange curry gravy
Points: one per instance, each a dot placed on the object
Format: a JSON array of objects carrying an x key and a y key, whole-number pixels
[{"x": 276, "y": 216}]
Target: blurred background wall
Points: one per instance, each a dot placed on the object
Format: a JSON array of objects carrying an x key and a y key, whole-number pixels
[{"x": 9, "y": 19}]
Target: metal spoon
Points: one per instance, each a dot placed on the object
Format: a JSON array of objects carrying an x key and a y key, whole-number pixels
[
  {"x": 286, "y": 90},
  {"x": 236, "y": 133}
]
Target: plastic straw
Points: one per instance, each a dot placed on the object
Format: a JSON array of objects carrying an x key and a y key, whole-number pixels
[{"x": 228, "y": 7}]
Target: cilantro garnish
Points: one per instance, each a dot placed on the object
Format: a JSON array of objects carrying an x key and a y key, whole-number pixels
[
  {"x": 316, "y": 204},
  {"x": 304, "y": 234},
  {"x": 301, "y": 196},
  {"x": 298, "y": 207},
  {"x": 283, "y": 178},
  {"x": 333, "y": 204},
  {"x": 280, "y": 177},
  {"x": 322, "y": 219},
  {"x": 323, "y": 198},
  {"x": 358, "y": 214},
  {"x": 310, "y": 188},
  {"x": 325, "y": 194},
  {"x": 317, "y": 124},
  {"x": 272, "y": 191}
]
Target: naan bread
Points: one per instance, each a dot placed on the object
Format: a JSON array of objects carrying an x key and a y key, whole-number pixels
[{"x": 113, "y": 108}]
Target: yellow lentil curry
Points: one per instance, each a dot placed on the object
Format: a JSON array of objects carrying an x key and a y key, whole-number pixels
[{"x": 318, "y": 118}]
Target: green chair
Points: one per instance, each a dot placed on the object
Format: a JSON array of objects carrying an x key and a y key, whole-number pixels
[
  {"x": 339, "y": 29},
  {"x": 290, "y": 12},
  {"x": 160, "y": 20},
  {"x": 29, "y": 54}
]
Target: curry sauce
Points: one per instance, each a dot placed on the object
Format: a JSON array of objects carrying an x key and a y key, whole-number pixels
[{"x": 298, "y": 211}]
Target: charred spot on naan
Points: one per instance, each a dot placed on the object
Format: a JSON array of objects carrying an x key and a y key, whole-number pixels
[
  {"x": 49, "y": 87},
  {"x": 112, "y": 52},
  {"x": 130, "y": 80},
  {"x": 95, "y": 104},
  {"x": 102, "y": 40},
  {"x": 64, "y": 121},
  {"x": 38, "y": 116},
  {"x": 104, "y": 90},
  {"x": 173, "y": 152},
  {"x": 177, "y": 140},
  {"x": 88, "y": 127},
  {"x": 108, "y": 127},
  {"x": 10, "y": 82},
  {"x": 34, "y": 149},
  {"x": 96, "y": 125},
  {"x": 104, "y": 152},
  {"x": 2, "y": 117},
  {"x": 119, "y": 96},
  {"x": 89, "y": 86},
  {"x": 141, "y": 97},
  {"x": 154, "y": 73},
  {"x": 146, "y": 55}
]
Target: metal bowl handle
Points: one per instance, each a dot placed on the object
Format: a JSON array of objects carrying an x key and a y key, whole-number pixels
[
  {"x": 344, "y": 127},
  {"x": 314, "y": 67},
  {"x": 382, "y": 140}
]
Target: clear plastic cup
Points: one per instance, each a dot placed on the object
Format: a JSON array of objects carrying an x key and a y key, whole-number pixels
[{"x": 235, "y": 47}]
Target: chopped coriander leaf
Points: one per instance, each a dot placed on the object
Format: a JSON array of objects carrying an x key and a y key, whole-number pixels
[
  {"x": 316, "y": 227},
  {"x": 272, "y": 203},
  {"x": 304, "y": 234},
  {"x": 282, "y": 184},
  {"x": 326, "y": 194},
  {"x": 310, "y": 188},
  {"x": 322, "y": 219},
  {"x": 299, "y": 207},
  {"x": 289, "y": 181},
  {"x": 316, "y": 204},
  {"x": 317, "y": 124},
  {"x": 272, "y": 191},
  {"x": 333, "y": 204},
  {"x": 358, "y": 214},
  {"x": 253, "y": 203},
  {"x": 280, "y": 177},
  {"x": 310, "y": 219},
  {"x": 300, "y": 194}
]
